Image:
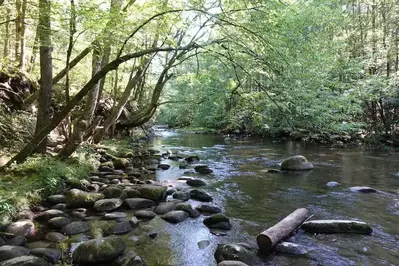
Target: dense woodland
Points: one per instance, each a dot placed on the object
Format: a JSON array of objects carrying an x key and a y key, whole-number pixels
[{"x": 91, "y": 69}]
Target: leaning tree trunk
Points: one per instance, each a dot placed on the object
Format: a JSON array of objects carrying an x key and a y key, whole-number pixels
[{"x": 46, "y": 71}]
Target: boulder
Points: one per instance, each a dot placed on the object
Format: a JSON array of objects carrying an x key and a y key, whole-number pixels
[
  {"x": 106, "y": 205},
  {"x": 21, "y": 228},
  {"x": 132, "y": 193},
  {"x": 75, "y": 228},
  {"x": 193, "y": 213},
  {"x": 99, "y": 250},
  {"x": 121, "y": 163},
  {"x": 139, "y": 203},
  {"x": 200, "y": 195},
  {"x": 333, "y": 184},
  {"x": 114, "y": 215},
  {"x": 145, "y": 214},
  {"x": 129, "y": 258},
  {"x": 192, "y": 159},
  {"x": 55, "y": 199},
  {"x": 175, "y": 216},
  {"x": 209, "y": 209},
  {"x": 76, "y": 198},
  {"x": 25, "y": 215},
  {"x": 218, "y": 221},
  {"x": 114, "y": 192},
  {"x": 121, "y": 228},
  {"x": 236, "y": 252},
  {"x": 296, "y": 163},
  {"x": 362, "y": 189},
  {"x": 49, "y": 214},
  {"x": 203, "y": 169},
  {"x": 25, "y": 261},
  {"x": 49, "y": 254},
  {"x": 58, "y": 222},
  {"x": 336, "y": 226},
  {"x": 163, "y": 166},
  {"x": 181, "y": 195},
  {"x": 164, "y": 207},
  {"x": 54, "y": 237},
  {"x": 9, "y": 252},
  {"x": 17, "y": 241},
  {"x": 153, "y": 192},
  {"x": 195, "y": 183},
  {"x": 59, "y": 206},
  {"x": 291, "y": 248}
]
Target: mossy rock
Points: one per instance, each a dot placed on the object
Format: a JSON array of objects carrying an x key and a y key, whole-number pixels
[
  {"x": 153, "y": 192},
  {"x": 121, "y": 163},
  {"x": 99, "y": 250},
  {"x": 296, "y": 163},
  {"x": 76, "y": 198}
]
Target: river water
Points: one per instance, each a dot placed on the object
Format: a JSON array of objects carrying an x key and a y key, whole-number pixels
[{"x": 256, "y": 200}]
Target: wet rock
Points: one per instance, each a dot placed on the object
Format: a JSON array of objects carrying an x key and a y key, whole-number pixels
[
  {"x": 218, "y": 221},
  {"x": 17, "y": 241},
  {"x": 180, "y": 195},
  {"x": 49, "y": 214},
  {"x": 121, "y": 228},
  {"x": 139, "y": 203},
  {"x": 272, "y": 171},
  {"x": 25, "y": 215},
  {"x": 296, "y": 163},
  {"x": 22, "y": 228},
  {"x": 153, "y": 192},
  {"x": 114, "y": 215},
  {"x": 203, "y": 244},
  {"x": 163, "y": 166},
  {"x": 336, "y": 226},
  {"x": 2, "y": 241},
  {"x": 49, "y": 254},
  {"x": 231, "y": 263},
  {"x": 200, "y": 195},
  {"x": 170, "y": 191},
  {"x": 132, "y": 193},
  {"x": 55, "y": 199},
  {"x": 236, "y": 252},
  {"x": 175, "y": 216},
  {"x": 195, "y": 183},
  {"x": 145, "y": 214},
  {"x": 38, "y": 244},
  {"x": 192, "y": 159},
  {"x": 209, "y": 209},
  {"x": 78, "y": 238},
  {"x": 362, "y": 189},
  {"x": 164, "y": 207},
  {"x": 129, "y": 258},
  {"x": 99, "y": 250},
  {"x": 152, "y": 235},
  {"x": 185, "y": 178},
  {"x": 38, "y": 208},
  {"x": 193, "y": 213},
  {"x": 134, "y": 222},
  {"x": 218, "y": 232},
  {"x": 107, "y": 204},
  {"x": 58, "y": 222},
  {"x": 75, "y": 228},
  {"x": 106, "y": 167},
  {"x": 54, "y": 237},
  {"x": 75, "y": 183},
  {"x": 183, "y": 165},
  {"x": 121, "y": 163},
  {"x": 9, "y": 252},
  {"x": 333, "y": 184},
  {"x": 113, "y": 192},
  {"x": 291, "y": 248},
  {"x": 25, "y": 261},
  {"x": 78, "y": 215},
  {"x": 76, "y": 198},
  {"x": 203, "y": 169},
  {"x": 60, "y": 206}
]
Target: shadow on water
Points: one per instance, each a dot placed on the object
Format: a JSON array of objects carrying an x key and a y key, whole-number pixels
[{"x": 255, "y": 200}]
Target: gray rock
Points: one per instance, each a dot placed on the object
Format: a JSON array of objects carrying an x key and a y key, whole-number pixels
[
  {"x": 195, "y": 183},
  {"x": 203, "y": 169},
  {"x": 121, "y": 228},
  {"x": 231, "y": 263},
  {"x": 192, "y": 159},
  {"x": 59, "y": 206},
  {"x": 296, "y": 163},
  {"x": 75, "y": 228},
  {"x": 209, "y": 209},
  {"x": 38, "y": 244},
  {"x": 139, "y": 203},
  {"x": 49, "y": 214},
  {"x": 21, "y": 228},
  {"x": 336, "y": 226},
  {"x": 164, "y": 166},
  {"x": 25, "y": 215},
  {"x": 49, "y": 254},
  {"x": 25, "y": 261},
  {"x": 175, "y": 216},
  {"x": 58, "y": 222},
  {"x": 145, "y": 214},
  {"x": 134, "y": 222},
  {"x": 362, "y": 189},
  {"x": 107, "y": 204},
  {"x": 9, "y": 252},
  {"x": 236, "y": 252},
  {"x": 55, "y": 199},
  {"x": 203, "y": 244},
  {"x": 193, "y": 213},
  {"x": 17, "y": 241},
  {"x": 200, "y": 195},
  {"x": 164, "y": 207},
  {"x": 76, "y": 198},
  {"x": 153, "y": 192},
  {"x": 152, "y": 235},
  {"x": 129, "y": 258},
  {"x": 333, "y": 184},
  {"x": 54, "y": 237},
  {"x": 291, "y": 248},
  {"x": 114, "y": 215},
  {"x": 114, "y": 192},
  {"x": 132, "y": 193},
  {"x": 99, "y": 250},
  {"x": 218, "y": 221},
  {"x": 121, "y": 163},
  {"x": 180, "y": 195}
]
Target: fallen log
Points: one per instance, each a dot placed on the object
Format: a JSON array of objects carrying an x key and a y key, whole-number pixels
[
  {"x": 269, "y": 238},
  {"x": 337, "y": 226}
]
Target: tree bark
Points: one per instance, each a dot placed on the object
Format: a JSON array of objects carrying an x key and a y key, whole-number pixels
[
  {"x": 22, "y": 60},
  {"x": 7, "y": 35},
  {"x": 17, "y": 30},
  {"x": 34, "y": 51},
  {"x": 269, "y": 238},
  {"x": 46, "y": 72}
]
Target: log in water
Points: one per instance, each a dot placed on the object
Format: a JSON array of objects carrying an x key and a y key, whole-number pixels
[
  {"x": 337, "y": 226},
  {"x": 269, "y": 238}
]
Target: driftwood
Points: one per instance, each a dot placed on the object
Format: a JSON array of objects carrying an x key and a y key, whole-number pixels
[
  {"x": 269, "y": 238},
  {"x": 337, "y": 226}
]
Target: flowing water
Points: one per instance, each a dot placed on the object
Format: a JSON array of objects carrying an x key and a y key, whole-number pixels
[{"x": 256, "y": 200}]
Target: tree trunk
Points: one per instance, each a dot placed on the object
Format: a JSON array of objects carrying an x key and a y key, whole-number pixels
[
  {"x": 269, "y": 238},
  {"x": 22, "y": 35},
  {"x": 34, "y": 51},
  {"x": 7, "y": 35},
  {"x": 17, "y": 30},
  {"x": 46, "y": 72}
]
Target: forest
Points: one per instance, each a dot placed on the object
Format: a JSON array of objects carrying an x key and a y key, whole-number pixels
[{"x": 84, "y": 81}]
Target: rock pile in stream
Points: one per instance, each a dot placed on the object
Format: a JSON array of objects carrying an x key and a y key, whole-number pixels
[{"x": 120, "y": 187}]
